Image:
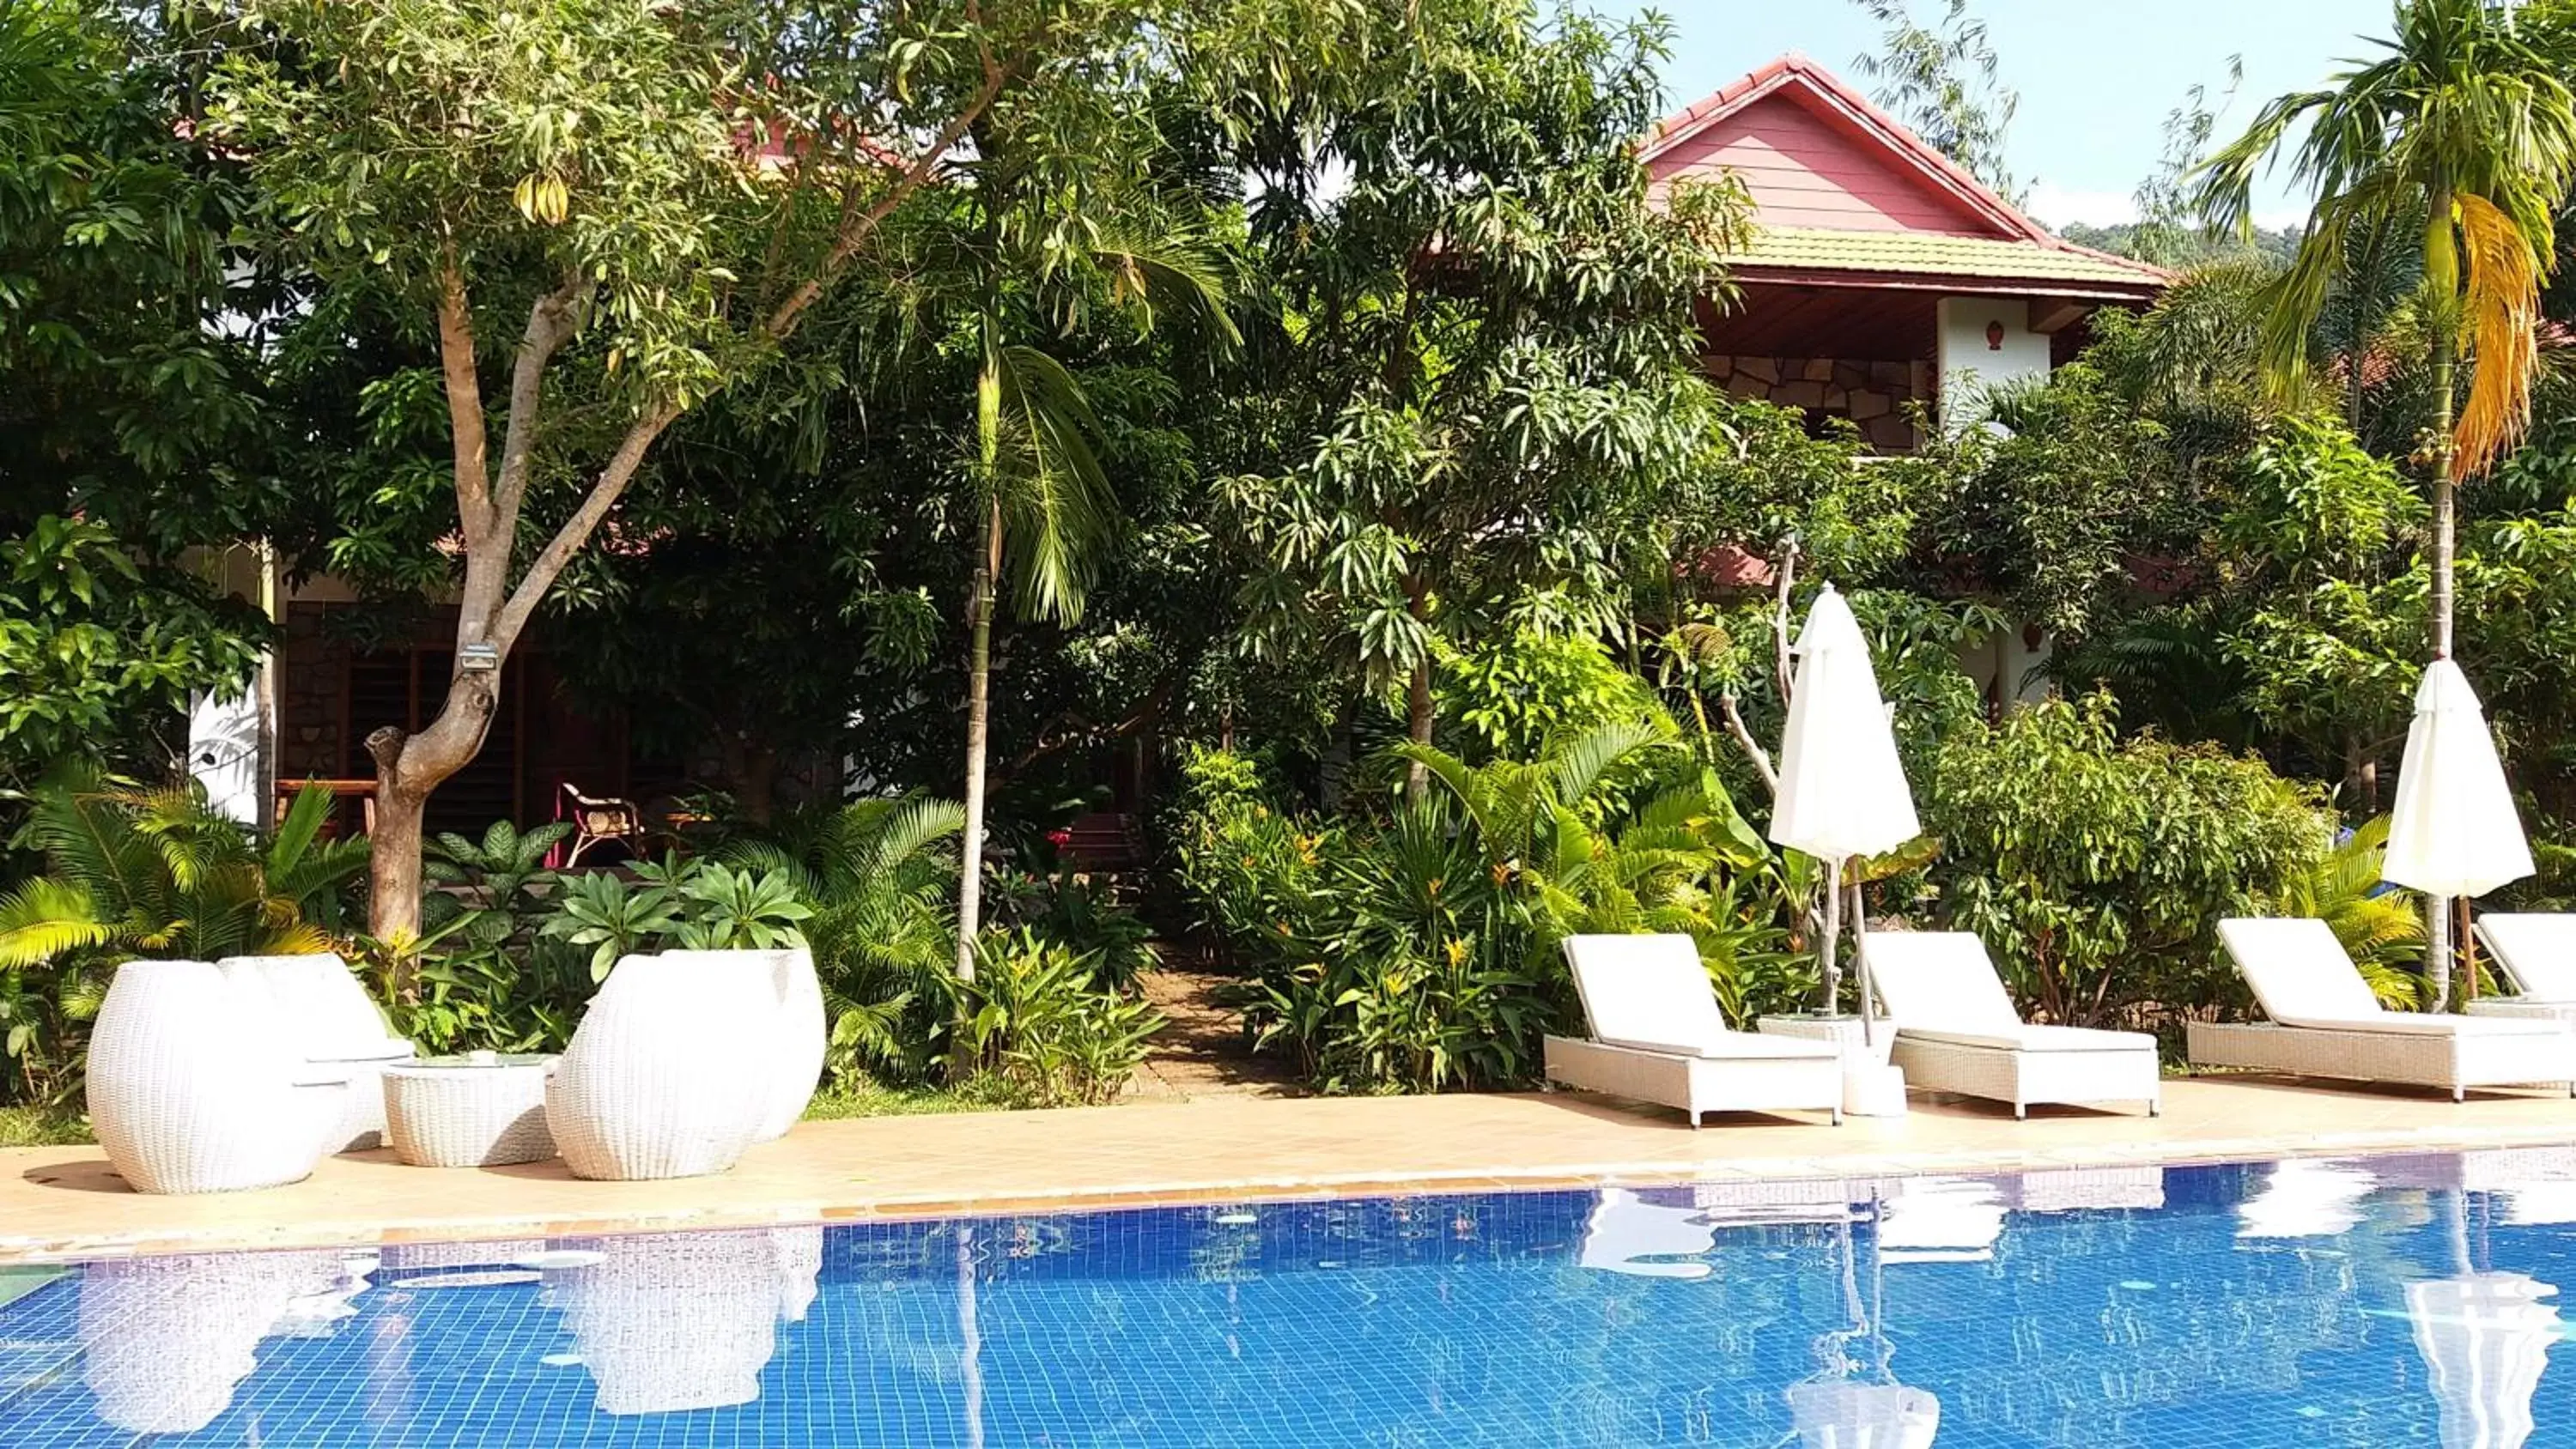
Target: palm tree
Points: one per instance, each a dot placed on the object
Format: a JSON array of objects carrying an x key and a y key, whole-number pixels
[
  {"x": 1045, "y": 509},
  {"x": 2466, "y": 127},
  {"x": 158, "y": 873}
]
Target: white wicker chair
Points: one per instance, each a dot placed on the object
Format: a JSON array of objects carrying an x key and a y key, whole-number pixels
[
  {"x": 670, "y": 1073},
  {"x": 2325, "y": 1023},
  {"x": 315, "y": 1001},
  {"x": 2537, "y": 953},
  {"x": 1957, "y": 1031},
  {"x": 794, "y": 1056},
  {"x": 189, "y": 1091},
  {"x": 1657, "y": 1036}
]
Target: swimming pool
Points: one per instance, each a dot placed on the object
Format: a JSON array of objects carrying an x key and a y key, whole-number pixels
[{"x": 2379, "y": 1301}]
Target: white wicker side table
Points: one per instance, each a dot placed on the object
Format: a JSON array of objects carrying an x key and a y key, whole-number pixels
[
  {"x": 1871, "y": 1087},
  {"x": 481, "y": 1110}
]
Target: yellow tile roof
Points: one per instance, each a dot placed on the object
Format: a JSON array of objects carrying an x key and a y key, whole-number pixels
[{"x": 1821, "y": 249}]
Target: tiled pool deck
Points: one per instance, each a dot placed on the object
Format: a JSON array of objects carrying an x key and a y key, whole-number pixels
[{"x": 63, "y": 1202}]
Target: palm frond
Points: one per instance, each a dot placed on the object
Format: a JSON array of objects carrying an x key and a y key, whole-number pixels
[
  {"x": 1054, "y": 499},
  {"x": 1579, "y": 766},
  {"x": 2502, "y": 323},
  {"x": 44, "y": 918}
]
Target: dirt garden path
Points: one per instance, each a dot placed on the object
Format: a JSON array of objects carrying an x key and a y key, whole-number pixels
[{"x": 1203, "y": 1052}]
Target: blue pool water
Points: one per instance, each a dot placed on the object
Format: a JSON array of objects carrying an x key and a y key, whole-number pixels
[{"x": 2369, "y": 1302}]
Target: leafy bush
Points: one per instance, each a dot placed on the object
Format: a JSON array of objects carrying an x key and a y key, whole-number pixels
[
  {"x": 2097, "y": 869},
  {"x": 1038, "y": 1017},
  {"x": 1049, "y": 1018},
  {"x": 1250, "y": 871},
  {"x": 688, "y": 904},
  {"x": 1422, "y": 954},
  {"x": 1516, "y": 695},
  {"x": 484, "y": 974},
  {"x": 155, "y": 873},
  {"x": 1077, "y": 912}
]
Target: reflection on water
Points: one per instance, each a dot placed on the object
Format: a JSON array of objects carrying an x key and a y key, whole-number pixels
[
  {"x": 685, "y": 1320},
  {"x": 2271, "y": 1306},
  {"x": 167, "y": 1339}
]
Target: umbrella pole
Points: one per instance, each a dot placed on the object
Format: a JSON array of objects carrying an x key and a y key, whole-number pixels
[
  {"x": 2437, "y": 948},
  {"x": 1860, "y": 958},
  {"x": 1833, "y": 932}
]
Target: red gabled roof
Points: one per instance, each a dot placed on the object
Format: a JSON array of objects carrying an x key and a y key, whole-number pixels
[
  {"x": 1796, "y": 78},
  {"x": 1830, "y": 150}
]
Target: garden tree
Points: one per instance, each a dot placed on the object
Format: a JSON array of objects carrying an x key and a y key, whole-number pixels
[
  {"x": 1063, "y": 219},
  {"x": 2466, "y": 123},
  {"x": 1941, "y": 81},
  {"x": 2043, "y": 512},
  {"x": 2098, "y": 868},
  {"x": 2313, "y": 545},
  {"x": 1490, "y": 325},
  {"x": 128, "y": 337},
  {"x": 130, "y": 423},
  {"x": 652, "y": 199},
  {"x": 103, "y": 654}
]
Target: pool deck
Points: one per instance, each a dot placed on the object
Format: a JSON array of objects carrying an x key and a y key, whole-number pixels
[{"x": 63, "y": 1202}]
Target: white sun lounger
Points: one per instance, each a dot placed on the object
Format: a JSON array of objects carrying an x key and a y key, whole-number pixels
[
  {"x": 1957, "y": 1031},
  {"x": 2537, "y": 954},
  {"x": 2324, "y": 1022},
  {"x": 1657, "y": 1036}
]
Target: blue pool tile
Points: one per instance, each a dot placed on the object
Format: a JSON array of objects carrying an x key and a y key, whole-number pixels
[{"x": 2268, "y": 1306}]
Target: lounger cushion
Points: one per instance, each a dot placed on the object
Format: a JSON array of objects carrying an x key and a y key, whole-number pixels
[
  {"x": 2034, "y": 1038},
  {"x": 1736, "y": 1045},
  {"x": 2536, "y": 951},
  {"x": 2300, "y": 973},
  {"x": 1939, "y": 981},
  {"x": 1646, "y": 989}
]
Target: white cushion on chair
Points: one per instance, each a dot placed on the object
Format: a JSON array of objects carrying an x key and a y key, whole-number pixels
[
  {"x": 2035, "y": 1038},
  {"x": 1647, "y": 992},
  {"x": 2300, "y": 972},
  {"x": 1940, "y": 981},
  {"x": 2303, "y": 977},
  {"x": 2537, "y": 952}
]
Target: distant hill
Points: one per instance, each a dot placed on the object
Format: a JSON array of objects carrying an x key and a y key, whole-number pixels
[{"x": 2166, "y": 247}]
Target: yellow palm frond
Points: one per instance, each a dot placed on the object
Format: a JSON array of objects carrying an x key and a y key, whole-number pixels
[
  {"x": 301, "y": 939},
  {"x": 44, "y": 918},
  {"x": 2501, "y": 324}
]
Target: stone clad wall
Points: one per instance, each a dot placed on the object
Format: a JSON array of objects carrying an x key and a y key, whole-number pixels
[
  {"x": 1871, "y": 394},
  {"x": 310, "y": 677}
]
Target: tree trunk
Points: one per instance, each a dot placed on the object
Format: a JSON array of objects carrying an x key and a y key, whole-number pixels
[
  {"x": 408, "y": 768},
  {"x": 2361, "y": 773},
  {"x": 1417, "y": 713},
  {"x": 979, "y": 675},
  {"x": 2442, "y": 280}
]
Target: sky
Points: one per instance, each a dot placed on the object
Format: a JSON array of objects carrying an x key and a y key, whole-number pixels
[{"x": 2097, "y": 77}]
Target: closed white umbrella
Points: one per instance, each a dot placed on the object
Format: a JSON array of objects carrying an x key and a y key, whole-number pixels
[
  {"x": 1842, "y": 788},
  {"x": 2454, "y": 831}
]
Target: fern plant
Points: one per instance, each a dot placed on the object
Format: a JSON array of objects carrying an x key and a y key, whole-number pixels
[
  {"x": 884, "y": 931},
  {"x": 136, "y": 872},
  {"x": 2381, "y": 929},
  {"x": 158, "y": 873}
]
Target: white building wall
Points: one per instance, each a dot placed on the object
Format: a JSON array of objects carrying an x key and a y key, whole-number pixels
[
  {"x": 226, "y": 754},
  {"x": 1972, "y": 360}
]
